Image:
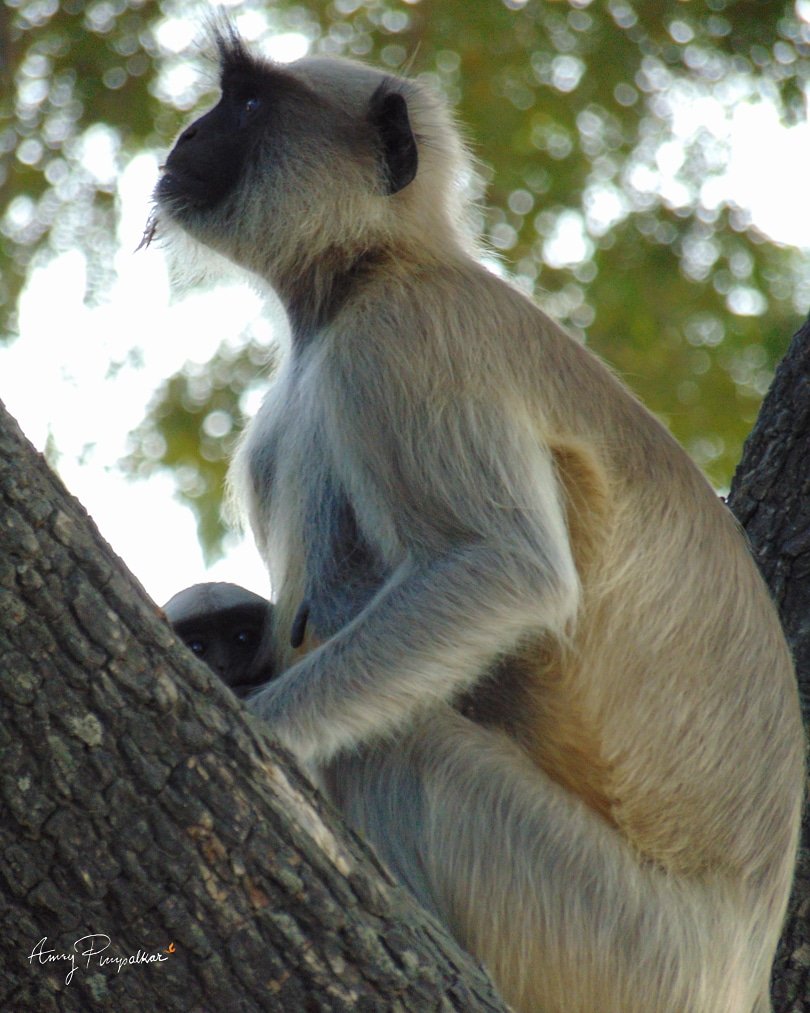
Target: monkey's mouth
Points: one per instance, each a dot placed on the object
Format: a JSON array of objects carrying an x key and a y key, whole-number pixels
[
  {"x": 184, "y": 188},
  {"x": 249, "y": 686},
  {"x": 242, "y": 691},
  {"x": 173, "y": 196}
]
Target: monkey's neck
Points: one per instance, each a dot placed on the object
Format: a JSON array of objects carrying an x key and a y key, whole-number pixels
[{"x": 315, "y": 295}]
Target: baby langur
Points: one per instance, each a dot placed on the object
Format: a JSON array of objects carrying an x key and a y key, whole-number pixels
[
  {"x": 223, "y": 625},
  {"x": 545, "y": 680}
]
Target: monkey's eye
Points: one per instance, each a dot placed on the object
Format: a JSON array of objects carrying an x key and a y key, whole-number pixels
[
  {"x": 197, "y": 647},
  {"x": 246, "y": 107},
  {"x": 244, "y": 637}
]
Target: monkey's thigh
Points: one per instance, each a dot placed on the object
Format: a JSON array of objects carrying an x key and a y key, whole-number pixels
[
  {"x": 441, "y": 803},
  {"x": 534, "y": 883}
]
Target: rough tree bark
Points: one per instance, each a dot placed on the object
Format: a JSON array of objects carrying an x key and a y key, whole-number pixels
[
  {"x": 770, "y": 495},
  {"x": 141, "y": 803}
]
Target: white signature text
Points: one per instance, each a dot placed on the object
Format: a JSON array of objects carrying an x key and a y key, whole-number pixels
[{"x": 90, "y": 949}]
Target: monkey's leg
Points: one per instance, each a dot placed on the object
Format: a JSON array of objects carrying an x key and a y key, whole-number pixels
[{"x": 562, "y": 912}]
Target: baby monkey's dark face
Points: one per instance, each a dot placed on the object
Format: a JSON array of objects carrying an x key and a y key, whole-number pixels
[{"x": 224, "y": 625}]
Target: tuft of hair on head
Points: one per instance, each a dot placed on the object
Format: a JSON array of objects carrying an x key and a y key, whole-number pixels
[{"x": 225, "y": 40}]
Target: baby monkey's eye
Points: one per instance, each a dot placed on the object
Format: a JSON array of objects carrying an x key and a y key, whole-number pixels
[
  {"x": 245, "y": 638},
  {"x": 251, "y": 104}
]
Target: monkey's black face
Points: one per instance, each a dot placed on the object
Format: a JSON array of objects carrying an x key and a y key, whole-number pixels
[
  {"x": 287, "y": 151},
  {"x": 223, "y": 624},
  {"x": 263, "y": 123},
  {"x": 207, "y": 161},
  {"x": 228, "y": 643},
  {"x": 209, "y": 158}
]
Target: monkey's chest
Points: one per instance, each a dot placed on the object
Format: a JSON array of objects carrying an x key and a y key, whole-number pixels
[
  {"x": 309, "y": 528},
  {"x": 343, "y": 568}
]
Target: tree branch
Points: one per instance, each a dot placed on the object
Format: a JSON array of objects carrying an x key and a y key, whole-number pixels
[
  {"x": 142, "y": 803},
  {"x": 770, "y": 496}
]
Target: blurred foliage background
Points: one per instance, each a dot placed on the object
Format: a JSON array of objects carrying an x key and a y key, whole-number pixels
[{"x": 604, "y": 133}]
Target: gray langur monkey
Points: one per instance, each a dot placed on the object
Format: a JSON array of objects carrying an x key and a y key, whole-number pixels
[
  {"x": 224, "y": 625},
  {"x": 545, "y": 678}
]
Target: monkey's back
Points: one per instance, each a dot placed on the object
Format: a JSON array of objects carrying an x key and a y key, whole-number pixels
[{"x": 705, "y": 770}]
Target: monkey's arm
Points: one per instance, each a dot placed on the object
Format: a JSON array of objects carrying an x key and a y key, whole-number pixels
[{"x": 433, "y": 629}]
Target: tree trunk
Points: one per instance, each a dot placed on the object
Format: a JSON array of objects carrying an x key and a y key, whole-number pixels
[
  {"x": 146, "y": 812},
  {"x": 147, "y": 819},
  {"x": 770, "y": 495}
]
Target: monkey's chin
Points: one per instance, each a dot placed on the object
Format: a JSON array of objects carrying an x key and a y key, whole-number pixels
[
  {"x": 243, "y": 692},
  {"x": 190, "y": 262},
  {"x": 246, "y": 690}
]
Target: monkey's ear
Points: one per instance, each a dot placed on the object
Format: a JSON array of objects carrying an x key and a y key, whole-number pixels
[{"x": 388, "y": 112}]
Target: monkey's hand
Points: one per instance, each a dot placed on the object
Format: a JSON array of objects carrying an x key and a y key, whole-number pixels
[{"x": 428, "y": 635}]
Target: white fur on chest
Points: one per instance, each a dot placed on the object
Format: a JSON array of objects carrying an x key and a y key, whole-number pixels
[{"x": 305, "y": 439}]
